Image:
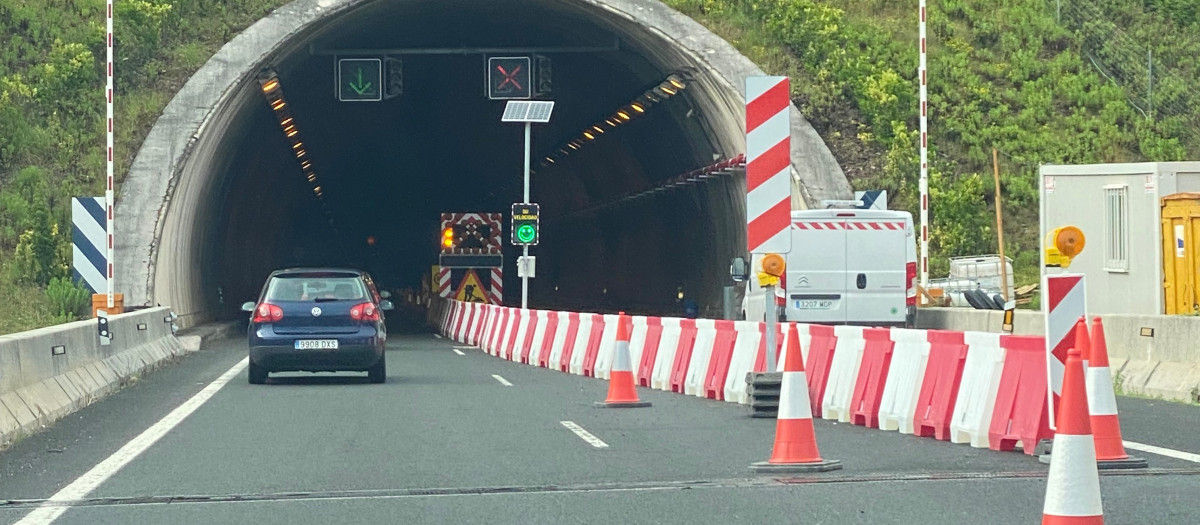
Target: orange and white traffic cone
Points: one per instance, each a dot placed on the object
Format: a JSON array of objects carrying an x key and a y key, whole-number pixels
[
  {"x": 1102, "y": 404},
  {"x": 795, "y": 440},
  {"x": 1073, "y": 487},
  {"x": 621, "y": 390}
]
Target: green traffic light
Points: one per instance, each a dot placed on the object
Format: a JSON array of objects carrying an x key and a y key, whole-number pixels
[{"x": 525, "y": 233}]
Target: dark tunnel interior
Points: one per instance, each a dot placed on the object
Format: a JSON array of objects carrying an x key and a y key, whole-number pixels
[{"x": 388, "y": 169}]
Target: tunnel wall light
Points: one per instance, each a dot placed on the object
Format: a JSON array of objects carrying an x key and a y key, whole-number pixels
[
  {"x": 272, "y": 90},
  {"x": 659, "y": 93}
]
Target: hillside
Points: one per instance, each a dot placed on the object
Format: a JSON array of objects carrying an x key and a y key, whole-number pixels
[{"x": 1016, "y": 75}]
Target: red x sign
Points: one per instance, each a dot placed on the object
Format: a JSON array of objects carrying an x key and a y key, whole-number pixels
[{"x": 509, "y": 77}]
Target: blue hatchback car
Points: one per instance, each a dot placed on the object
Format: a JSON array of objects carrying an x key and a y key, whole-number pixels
[{"x": 318, "y": 320}]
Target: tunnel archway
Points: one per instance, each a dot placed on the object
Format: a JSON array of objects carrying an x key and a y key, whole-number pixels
[{"x": 216, "y": 198}]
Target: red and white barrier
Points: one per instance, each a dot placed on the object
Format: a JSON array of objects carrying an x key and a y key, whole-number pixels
[
  {"x": 668, "y": 343},
  {"x": 909, "y": 358},
  {"x": 977, "y": 392},
  {"x": 975, "y": 388},
  {"x": 843, "y": 373}
]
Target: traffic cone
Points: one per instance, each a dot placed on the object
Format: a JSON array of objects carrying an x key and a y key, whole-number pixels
[
  {"x": 1073, "y": 487},
  {"x": 795, "y": 441},
  {"x": 1102, "y": 405},
  {"x": 621, "y": 392}
]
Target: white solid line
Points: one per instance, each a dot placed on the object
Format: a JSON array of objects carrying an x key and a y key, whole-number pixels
[
  {"x": 85, "y": 484},
  {"x": 439, "y": 336},
  {"x": 1186, "y": 456},
  {"x": 502, "y": 380},
  {"x": 457, "y": 351},
  {"x": 583, "y": 434}
]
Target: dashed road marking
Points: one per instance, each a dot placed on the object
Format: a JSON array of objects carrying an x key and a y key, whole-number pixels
[
  {"x": 583, "y": 434},
  {"x": 501, "y": 380},
  {"x": 457, "y": 351},
  {"x": 57, "y": 504},
  {"x": 1186, "y": 456},
  {"x": 439, "y": 336}
]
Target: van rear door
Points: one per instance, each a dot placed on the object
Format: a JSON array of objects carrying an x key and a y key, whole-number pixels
[
  {"x": 816, "y": 267},
  {"x": 875, "y": 271}
]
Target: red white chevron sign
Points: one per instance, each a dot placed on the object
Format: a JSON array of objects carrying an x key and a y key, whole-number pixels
[{"x": 768, "y": 165}]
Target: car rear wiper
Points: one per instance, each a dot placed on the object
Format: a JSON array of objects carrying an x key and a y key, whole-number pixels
[{"x": 326, "y": 299}]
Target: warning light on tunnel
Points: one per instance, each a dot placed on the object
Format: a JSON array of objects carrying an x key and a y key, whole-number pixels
[
  {"x": 448, "y": 238},
  {"x": 509, "y": 78}
]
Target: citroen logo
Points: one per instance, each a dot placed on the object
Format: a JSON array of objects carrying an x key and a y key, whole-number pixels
[
  {"x": 802, "y": 281},
  {"x": 316, "y": 311}
]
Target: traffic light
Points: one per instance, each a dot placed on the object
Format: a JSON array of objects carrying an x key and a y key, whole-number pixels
[
  {"x": 543, "y": 75},
  {"x": 509, "y": 78},
  {"x": 524, "y": 224},
  {"x": 448, "y": 238}
]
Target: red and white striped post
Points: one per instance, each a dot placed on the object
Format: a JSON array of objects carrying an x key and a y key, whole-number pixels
[
  {"x": 1066, "y": 303},
  {"x": 768, "y": 165},
  {"x": 108, "y": 192},
  {"x": 768, "y": 178},
  {"x": 444, "y": 282},
  {"x": 923, "y": 73},
  {"x": 498, "y": 285}
]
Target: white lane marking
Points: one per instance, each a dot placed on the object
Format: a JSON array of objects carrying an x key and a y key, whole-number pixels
[
  {"x": 457, "y": 351},
  {"x": 85, "y": 484},
  {"x": 439, "y": 336},
  {"x": 583, "y": 434},
  {"x": 1186, "y": 456},
  {"x": 501, "y": 380}
]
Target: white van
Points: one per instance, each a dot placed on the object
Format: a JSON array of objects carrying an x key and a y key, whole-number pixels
[{"x": 847, "y": 266}]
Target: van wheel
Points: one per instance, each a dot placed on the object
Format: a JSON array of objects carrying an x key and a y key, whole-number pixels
[
  {"x": 258, "y": 374},
  {"x": 378, "y": 372}
]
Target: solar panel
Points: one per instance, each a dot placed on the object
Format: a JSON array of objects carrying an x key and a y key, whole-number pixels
[{"x": 527, "y": 111}]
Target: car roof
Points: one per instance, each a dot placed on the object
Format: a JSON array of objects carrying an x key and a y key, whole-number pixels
[{"x": 302, "y": 271}]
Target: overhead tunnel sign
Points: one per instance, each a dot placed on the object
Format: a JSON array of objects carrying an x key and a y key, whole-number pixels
[{"x": 360, "y": 79}]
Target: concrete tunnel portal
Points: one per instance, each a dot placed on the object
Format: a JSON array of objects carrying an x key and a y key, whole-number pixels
[{"x": 217, "y": 197}]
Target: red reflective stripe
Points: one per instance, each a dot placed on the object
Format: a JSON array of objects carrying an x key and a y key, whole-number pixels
[
  {"x": 762, "y": 227},
  {"x": 767, "y": 105},
  {"x": 768, "y": 165}
]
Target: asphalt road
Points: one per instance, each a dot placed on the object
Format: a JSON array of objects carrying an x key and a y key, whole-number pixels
[{"x": 444, "y": 441}]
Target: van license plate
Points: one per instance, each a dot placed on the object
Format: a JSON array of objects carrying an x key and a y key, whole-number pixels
[
  {"x": 317, "y": 344},
  {"x": 814, "y": 304}
]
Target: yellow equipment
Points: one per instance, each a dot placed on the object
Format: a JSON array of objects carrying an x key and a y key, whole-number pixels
[{"x": 1062, "y": 245}]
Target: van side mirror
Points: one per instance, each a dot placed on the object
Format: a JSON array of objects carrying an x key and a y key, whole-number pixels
[
  {"x": 386, "y": 305},
  {"x": 385, "y": 294},
  {"x": 739, "y": 270},
  {"x": 247, "y": 307}
]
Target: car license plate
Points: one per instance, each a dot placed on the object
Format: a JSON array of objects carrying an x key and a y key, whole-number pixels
[
  {"x": 317, "y": 344},
  {"x": 814, "y": 304}
]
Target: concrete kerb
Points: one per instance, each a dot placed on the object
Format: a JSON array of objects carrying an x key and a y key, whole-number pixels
[{"x": 86, "y": 373}]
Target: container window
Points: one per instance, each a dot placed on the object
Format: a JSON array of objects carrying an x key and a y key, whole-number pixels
[{"x": 1116, "y": 229}]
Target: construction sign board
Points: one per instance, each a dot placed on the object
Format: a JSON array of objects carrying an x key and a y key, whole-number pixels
[{"x": 471, "y": 289}]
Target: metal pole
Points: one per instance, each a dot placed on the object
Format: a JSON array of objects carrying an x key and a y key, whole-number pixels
[
  {"x": 1150, "y": 80},
  {"x": 730, "y": 301},
  {"x": 108, "y": 192},
  {"x": 924, "y": 182},
  {"x": 525, "y": 249},
  {"x": 772, "y": 316}
]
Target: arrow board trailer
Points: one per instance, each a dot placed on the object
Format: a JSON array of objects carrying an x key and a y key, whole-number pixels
[{"x": 847, "y": 266}]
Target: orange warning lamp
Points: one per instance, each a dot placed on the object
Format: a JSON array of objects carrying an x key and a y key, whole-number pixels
[
  {"x": 772, "y": 269},
  {"x": 1062, "y": 245},
  {"x": 448, "y": 238}
]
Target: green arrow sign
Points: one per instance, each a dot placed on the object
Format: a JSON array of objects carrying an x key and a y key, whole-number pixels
[{"x": 359, "y": 79}]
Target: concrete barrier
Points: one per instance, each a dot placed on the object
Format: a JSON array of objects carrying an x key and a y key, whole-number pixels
[
  {"x": 51, "y": 372},
  {"x": 1154, "y": 355}
]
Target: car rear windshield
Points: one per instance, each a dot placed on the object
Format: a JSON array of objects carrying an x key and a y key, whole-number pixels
[{"x": 313, "y": 287}]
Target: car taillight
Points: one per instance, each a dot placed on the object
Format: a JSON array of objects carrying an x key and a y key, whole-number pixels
[
  {"x": 910, "y": 271},
  {"x": 364, "y": 312},
  {"x": 268, "y": 313}
]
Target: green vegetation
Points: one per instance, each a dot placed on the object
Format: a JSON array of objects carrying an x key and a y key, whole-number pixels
[
  {"x": 1016, "y": 75},
  {"x": 52, "y": 129},
  {"x": 1004, "y": 74}
]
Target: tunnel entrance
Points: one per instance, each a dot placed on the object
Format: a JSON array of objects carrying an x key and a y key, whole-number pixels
[{"x": 217, "y": 199}]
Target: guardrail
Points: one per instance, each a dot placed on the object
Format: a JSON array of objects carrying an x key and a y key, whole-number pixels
[{"x": 48, "y": 373}]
